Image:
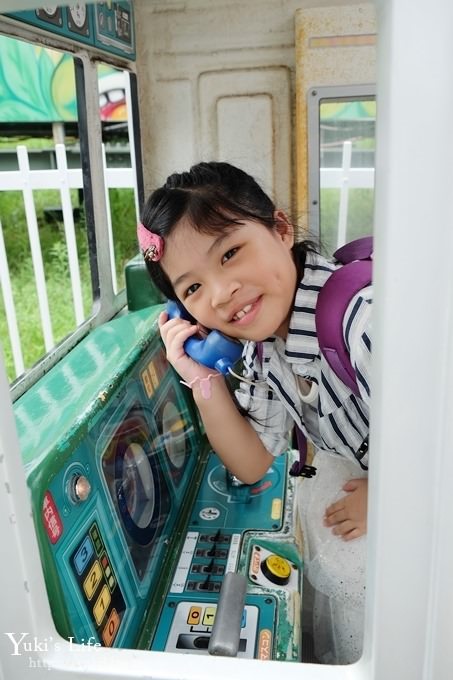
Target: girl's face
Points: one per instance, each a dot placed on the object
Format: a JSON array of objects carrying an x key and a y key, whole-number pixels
[{"x": 240, "y": 281}]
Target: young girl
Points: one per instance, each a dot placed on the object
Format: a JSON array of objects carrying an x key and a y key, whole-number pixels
[{"x": 213, "y": 240}]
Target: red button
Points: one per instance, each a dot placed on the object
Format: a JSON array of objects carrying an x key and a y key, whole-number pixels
[{"x": 51, "y": 519}]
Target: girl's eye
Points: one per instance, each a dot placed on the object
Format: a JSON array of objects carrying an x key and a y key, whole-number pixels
[
  {"x": 191, "y": 289},
  {"x": 229, "y": 254}
]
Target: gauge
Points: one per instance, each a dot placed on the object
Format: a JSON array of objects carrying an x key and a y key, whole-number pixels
[
  {"x": 78, "y": 13},
  {"x": 50, "y": 14},
  {"x": 138, "y": 486},
  {"x": 174, "y": 435}
]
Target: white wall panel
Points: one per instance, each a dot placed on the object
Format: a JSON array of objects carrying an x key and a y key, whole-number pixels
[
  {"x": 237, "y": 63},
  {"x": 246, "y": 119},
  {"x": 172, "y": 116},
  {"x": 244, "y": 135}
]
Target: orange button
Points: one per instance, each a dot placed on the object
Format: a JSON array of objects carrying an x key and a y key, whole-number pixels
[
  {"x": 111, "y": 628},
  {"x": 194, "y": 616},
  {"x": 264, "y": 644}
]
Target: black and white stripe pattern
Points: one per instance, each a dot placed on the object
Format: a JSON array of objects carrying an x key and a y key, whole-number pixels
[{"x": 342, "y": 421}]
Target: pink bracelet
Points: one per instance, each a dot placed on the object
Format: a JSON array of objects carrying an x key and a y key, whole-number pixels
[{"x": 205, "y": 385}]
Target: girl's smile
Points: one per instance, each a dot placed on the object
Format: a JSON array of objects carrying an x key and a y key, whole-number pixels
[
  {"x": 239, "y": 280},
  {"x": 247, "y": 313}
]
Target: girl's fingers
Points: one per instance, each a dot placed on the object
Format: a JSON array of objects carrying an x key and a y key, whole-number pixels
[
  {"x": 174, "y": 333},
  {"x": 355, "y": 533},
  {"x": 344, "y": 528},
  {"x": 162, "y": 318},
  {"x": 168, "y": 327},
  {"x": 335, "y": 507},
  {"x": 352, "y": 485},
  {"x": 335, "y": 518},
  {"x": 175, "y": 339},
  {"x": 349, "y": 530}
]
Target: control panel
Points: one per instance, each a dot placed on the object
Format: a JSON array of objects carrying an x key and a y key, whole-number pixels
[{"x": 139, "y": 523}]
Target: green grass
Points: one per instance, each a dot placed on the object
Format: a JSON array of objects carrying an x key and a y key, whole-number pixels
[
  {"x": 11, "y": 143},
  {"x": 53, "y": 246},
  {"x": 124, "y": 224},
  {"x": 360, "y": 216}
]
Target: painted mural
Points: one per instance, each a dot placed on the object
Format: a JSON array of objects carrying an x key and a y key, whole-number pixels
[{"x": 37, "y": 85}]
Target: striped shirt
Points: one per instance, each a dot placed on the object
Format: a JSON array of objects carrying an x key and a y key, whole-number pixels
[{"x": 333, "y": 418}]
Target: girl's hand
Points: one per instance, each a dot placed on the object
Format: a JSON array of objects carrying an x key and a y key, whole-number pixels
[
  {"x": 348, "y": 516},
  {"x": 174, "y": 333}
]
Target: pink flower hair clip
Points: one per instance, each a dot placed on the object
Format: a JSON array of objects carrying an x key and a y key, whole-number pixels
[{"x": 151, "y": 244}]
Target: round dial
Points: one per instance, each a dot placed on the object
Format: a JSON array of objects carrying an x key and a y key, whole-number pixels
[
  {"x": 174, "y": 435},
  {"x": 78, "y": 13},
  {"x": 138, "y": 486}
]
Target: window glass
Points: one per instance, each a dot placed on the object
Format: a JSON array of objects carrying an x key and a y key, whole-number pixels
[
  {"x": 48, "y": 266},
  {"x": 46, "y": 289},
  {"x": 119, "y": 168},
  {"x": 346, "y": 153}
]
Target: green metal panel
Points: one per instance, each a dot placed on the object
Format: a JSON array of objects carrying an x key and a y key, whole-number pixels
[
  {"x": 54, "y": 408},
  {"x": 140, "y": 290}
]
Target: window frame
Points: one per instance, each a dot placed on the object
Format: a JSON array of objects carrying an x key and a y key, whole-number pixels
[
  {"x": 106, "y": 303},
  {"x": 315, "y": 96}
]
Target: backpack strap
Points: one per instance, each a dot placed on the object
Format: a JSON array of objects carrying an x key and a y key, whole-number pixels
[
  {"x": 360, "y": 249},
  {"x": 299, "y": 468},
  {"x": 333, "y": 301}
]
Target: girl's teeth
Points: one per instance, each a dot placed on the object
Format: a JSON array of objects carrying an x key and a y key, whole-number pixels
[{"x": 243, "y": 312}]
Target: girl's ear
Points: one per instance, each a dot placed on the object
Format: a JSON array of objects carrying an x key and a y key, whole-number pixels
[{"x": 284, "y": 227}]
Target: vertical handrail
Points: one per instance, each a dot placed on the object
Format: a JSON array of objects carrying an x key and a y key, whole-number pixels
[
  {"x": 68, "y": 221},
  {"x": 10, "y": 309},
  {"x": 109, "y": 221},
  {"x": 344, "y": 193},
  {"x": 35, "y": 247},
  {"x": 130, "y": 131}
]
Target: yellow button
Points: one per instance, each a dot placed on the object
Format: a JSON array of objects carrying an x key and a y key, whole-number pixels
[
  {"x": 147, "y": 383},
  {"x": 101, "y": 606},
  {"x": 209, "y": 616},
  {"x": 153, "y": 375},
  {"x": 276, "y": 569},
  {"x": 92, "y": 580},
  {"x": 276, "y": 508},
  {"x": 278, "y": 566}
]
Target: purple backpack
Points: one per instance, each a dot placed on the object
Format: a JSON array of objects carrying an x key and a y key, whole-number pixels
[{"x": 333, "y": 301}]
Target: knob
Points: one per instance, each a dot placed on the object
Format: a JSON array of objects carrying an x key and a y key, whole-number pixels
[{"x": 80, "y": 489}]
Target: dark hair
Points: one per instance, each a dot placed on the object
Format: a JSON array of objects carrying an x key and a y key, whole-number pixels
[{"x": 212, "y": 196}]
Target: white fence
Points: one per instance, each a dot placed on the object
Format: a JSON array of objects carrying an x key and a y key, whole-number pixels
[
  {"x": 344, "y": 179},
  {"x": 62, "y": 179}
]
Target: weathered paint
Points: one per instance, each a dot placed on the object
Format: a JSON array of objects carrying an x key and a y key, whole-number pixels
[{"x": 50, "y": 412}]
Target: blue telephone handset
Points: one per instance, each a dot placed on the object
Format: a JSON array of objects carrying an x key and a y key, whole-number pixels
[{"x": 215, "y": 351}]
